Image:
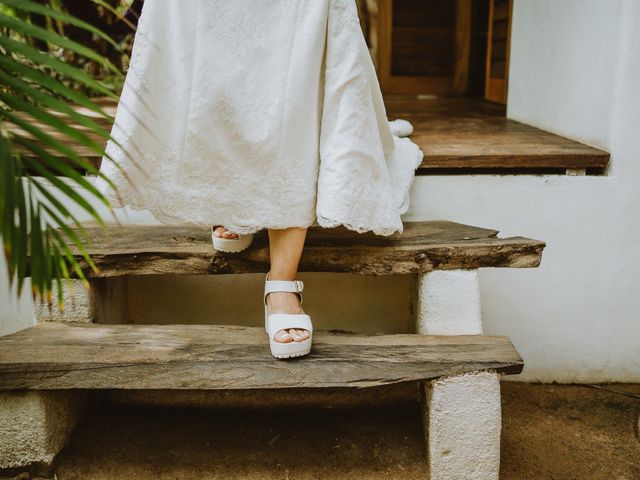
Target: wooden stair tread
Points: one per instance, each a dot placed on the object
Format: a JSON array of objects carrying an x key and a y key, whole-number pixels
[
  {"x": 454, "y": 133},
  {"x": 461, "y": 133},
  {"x": 54, "y": 356},
  {"x": 422, "y": 247}
]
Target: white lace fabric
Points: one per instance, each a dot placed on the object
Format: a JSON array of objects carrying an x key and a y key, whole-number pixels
[{"x": 257, "y": 114}]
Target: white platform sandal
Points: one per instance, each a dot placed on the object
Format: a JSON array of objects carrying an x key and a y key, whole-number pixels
[
  {"x": 231, "y": 245},
  {"x": 275, "y": 322}
]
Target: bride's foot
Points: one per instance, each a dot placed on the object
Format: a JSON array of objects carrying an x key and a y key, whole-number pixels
[
  {"x": 222, "y": 232},
  {"x": 226, "y": 241},
  {"x": 286, "y": 302}
]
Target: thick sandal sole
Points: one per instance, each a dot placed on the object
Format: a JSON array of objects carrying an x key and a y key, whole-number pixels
[
  {"x": 281, "y": 350},
  {"x": 231, "y": 245}
]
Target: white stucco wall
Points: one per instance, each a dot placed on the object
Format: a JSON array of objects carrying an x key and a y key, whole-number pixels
[
  {"x": 562, "y": 66},
  {"x": 575, "y": 70},
  {"x": 15, "y": 313}
]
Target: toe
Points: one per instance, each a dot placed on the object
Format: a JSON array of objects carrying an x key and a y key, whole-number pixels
[
  {"x": 300, "y": 335},
  {"x": 294, "y": 334},
  {"x": 283, "y": 336},
  {"x": 222, "y": 232}
]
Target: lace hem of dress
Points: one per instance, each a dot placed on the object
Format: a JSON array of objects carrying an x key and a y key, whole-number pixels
[
  {"x": 402, "y": 162},
  {"x": 161, "y": 215},
  {"x": 320, "y": 221}
]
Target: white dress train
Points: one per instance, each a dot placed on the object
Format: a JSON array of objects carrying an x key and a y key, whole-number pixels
[{"x": 257, "y": 114}]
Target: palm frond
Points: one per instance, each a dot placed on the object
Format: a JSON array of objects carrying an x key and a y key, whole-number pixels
[
  {"x": 44, "y": 10},
  {"x": 38, "y": 131}
]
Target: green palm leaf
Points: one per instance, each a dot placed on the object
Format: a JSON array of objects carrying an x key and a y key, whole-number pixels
[
  {"x": 27, "y": 73},
  {"x": 56, "y": 65},
  {"x": 55, "y": 104},
  {"x": 32, "y": 7},
  {"x": 33, "y": 31},
  {"x": 39, "y": 134}
]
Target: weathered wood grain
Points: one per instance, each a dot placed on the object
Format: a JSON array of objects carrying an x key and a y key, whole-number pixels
[
  {"x": 422, "y": 247},
  {"x": 474, "y": 134},
  {"x": 459, "y": 133},
  {"x": 181, "y": 357}
]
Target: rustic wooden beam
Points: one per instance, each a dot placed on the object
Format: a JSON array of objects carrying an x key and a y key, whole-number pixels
[
  {"x": 55, "y": 356},
  {"x": 422, "y": 247}
]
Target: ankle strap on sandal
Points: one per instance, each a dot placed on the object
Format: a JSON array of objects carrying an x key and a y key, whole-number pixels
[
  {"x": 283, "y": 286},
  {"x": 295, "y": 286}
]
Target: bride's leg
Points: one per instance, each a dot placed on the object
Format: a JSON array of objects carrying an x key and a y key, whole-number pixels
[{"x": 285, "y": 250}]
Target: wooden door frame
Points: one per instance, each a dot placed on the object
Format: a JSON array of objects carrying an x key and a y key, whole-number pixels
[
  {"x": 455, "y": 84},
  {"x": 496, "y": 89}
]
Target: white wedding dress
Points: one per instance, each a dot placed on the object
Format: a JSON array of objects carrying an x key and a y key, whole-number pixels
[{"x": 257, "y": 114}]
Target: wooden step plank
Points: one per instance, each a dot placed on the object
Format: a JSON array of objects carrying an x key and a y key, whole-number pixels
[
  {"x": 55, "y": 356},
  {"x": 454, "y": 133},
  {"x": 459, "y": 133},
  {"x": 422, "y": 247}
]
